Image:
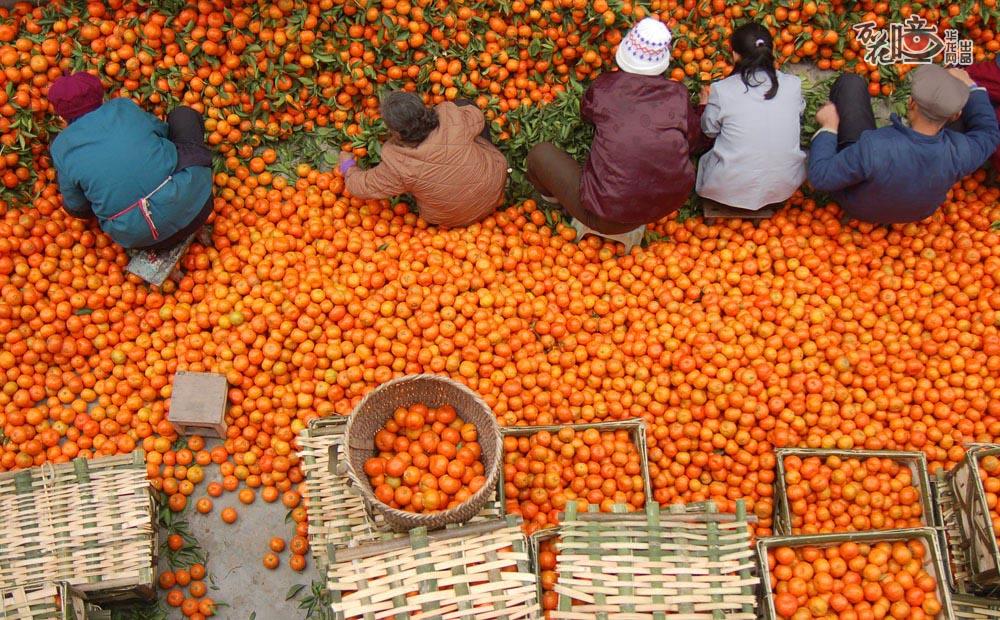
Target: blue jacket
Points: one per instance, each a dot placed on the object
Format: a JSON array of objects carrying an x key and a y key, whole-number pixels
[
  {"x": 111, "y": 157},
  {"x": 895, "y": 174}
]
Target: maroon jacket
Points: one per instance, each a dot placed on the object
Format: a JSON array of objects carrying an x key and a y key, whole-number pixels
[
  {"x": 987, "y": 75},
  {"x": 639, "y": 169}
]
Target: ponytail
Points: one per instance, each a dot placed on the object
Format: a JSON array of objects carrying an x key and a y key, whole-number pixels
[{"x": 755, "y": 46}]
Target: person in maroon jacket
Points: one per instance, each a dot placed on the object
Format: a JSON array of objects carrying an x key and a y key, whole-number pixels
[
  {"x": 987, "y": 75},
  {"x": 639, "y": 168}
]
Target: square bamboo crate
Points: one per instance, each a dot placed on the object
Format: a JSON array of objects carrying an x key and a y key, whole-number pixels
[
  {"x": 915, "y": 461},
  {"x": 338, "y": 516},
  {"x": 480, "y": 570},
  {"x": 90, "y": 523},
  {"x": 973, "y": 517},
  {"x": 636, "y": 428},
  {"x": 685, "y": 561},
  {"x": 46, "y": 601},
  {"x": 934, "y": 562}
]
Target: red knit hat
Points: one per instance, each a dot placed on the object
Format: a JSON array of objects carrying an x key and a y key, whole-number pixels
[{"x": 72, "y": 96}]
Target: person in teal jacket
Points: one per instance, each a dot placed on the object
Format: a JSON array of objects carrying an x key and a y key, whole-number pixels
[{"x": 148, "y": 183}]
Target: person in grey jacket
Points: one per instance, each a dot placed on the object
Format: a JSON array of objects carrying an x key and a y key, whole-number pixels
[
  {"x": 754, "y": 116},
  {"x": 901, "y": 173}
]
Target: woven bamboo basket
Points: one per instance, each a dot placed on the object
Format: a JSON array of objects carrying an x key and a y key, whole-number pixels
[
  {"x": 480, "y": 570},
  {"x": 973, "y": 517},
  {"x": 915, "y": 461},
  {"x": 934, "y": 562},
  {"x": 90, "y": 523},
  {"x": 685, "y": 561},
  {"x": 46, "y": 601},
  {"x": 636, "y": 428},
  {"x": 434, "y": 391}
]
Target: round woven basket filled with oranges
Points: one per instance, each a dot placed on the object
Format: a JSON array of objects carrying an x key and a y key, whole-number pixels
[{"x": 424, "y": 451}]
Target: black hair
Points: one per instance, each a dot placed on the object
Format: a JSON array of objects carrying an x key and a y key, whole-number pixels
[
  {"x": 405, "y": 113},
  {"x": 755, "y": 46}
]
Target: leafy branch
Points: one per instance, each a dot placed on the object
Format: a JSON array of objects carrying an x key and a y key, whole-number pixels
[{"x": 316, "y": 602}]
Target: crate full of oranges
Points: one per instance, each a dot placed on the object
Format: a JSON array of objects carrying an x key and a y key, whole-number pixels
[
  {"x": 821, "y": 491},
  {"x": 547, "y": 467},
  {"x": 897, "y": 575}
]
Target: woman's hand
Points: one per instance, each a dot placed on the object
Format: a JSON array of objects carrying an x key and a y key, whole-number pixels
[
  {"x": 345, "y": 161},
  {"x": 706, "y": 90}
]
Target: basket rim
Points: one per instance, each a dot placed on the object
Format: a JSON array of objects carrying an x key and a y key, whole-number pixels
[{"x": 480, "y": 496}]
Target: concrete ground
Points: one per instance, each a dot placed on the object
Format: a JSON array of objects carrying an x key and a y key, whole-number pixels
[{"x": 235, "y": 553}]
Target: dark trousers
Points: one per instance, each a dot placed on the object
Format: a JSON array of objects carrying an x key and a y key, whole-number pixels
[
  {"x": 854, "y": 107},
  {"x": 186, "y": 129},
  {"x": 486, "y": 125},
  {"x": 555, "y": 173}
]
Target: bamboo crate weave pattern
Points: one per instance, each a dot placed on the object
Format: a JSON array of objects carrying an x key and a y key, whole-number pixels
[
  {"x": 46, "y": 601},
  {"x": 87, "y": 522},
  {"x": 433, "y": 391},
  {"x": 655, "y": 564},
  {"x": 336, "y": 512},
  {"x": 481, "y": 571}
]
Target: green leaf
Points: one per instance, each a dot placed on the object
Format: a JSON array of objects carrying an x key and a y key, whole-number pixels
[
  {"x": 83, "y": 312},
  {"x": 294, "y": 591}
]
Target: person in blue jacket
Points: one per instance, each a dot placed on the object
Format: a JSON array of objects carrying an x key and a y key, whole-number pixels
[
  {"x": 901, "y": 173},
  {"x": 148, "y": 183}
]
